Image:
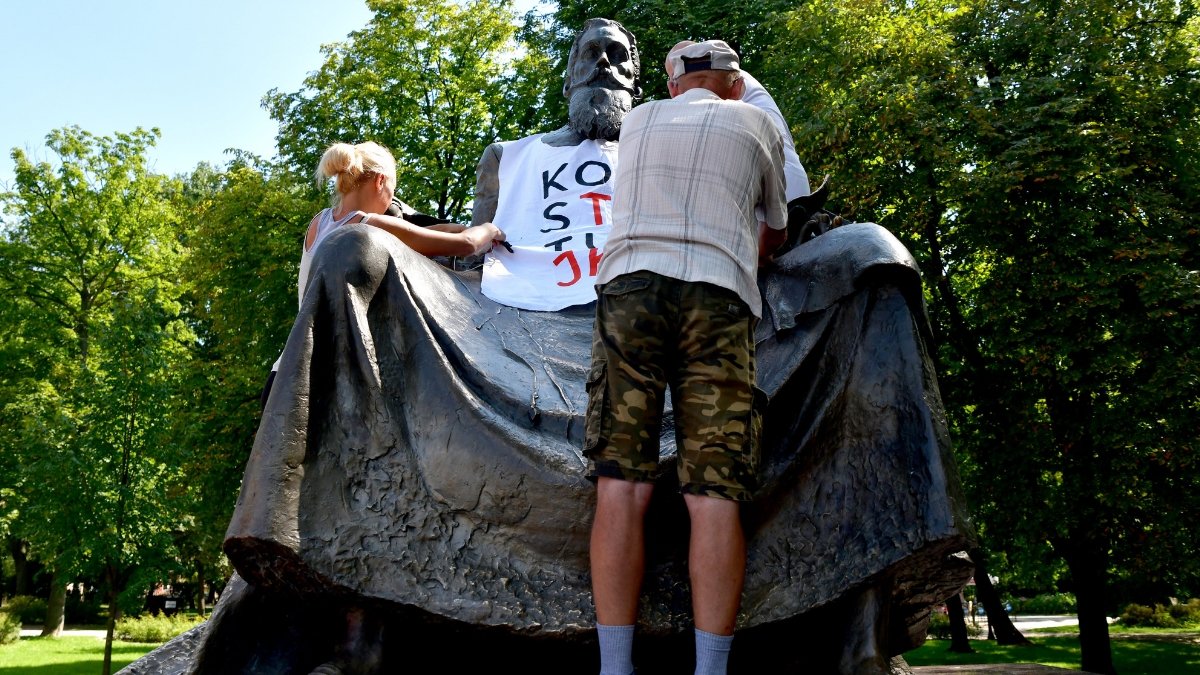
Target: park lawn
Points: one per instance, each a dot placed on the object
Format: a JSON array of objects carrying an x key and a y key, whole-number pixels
[
  {"x": 68, "y": 655},
  {"x": 1131, "y": 657}
]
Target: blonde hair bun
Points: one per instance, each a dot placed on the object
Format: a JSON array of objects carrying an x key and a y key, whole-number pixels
[{"x": 347, "y": 164}]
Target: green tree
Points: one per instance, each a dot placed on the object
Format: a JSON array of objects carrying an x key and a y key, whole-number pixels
[
  {"x": 1039, "y": 157},
  {"x": 531, "y": 98},
  {"x": 249, "y": 223},
  {"x": 14, "y": 377},
  {"x": 659, "y": 25},
  {"x": 90, "y": 262},
  {"x": 422, "y": 79}
]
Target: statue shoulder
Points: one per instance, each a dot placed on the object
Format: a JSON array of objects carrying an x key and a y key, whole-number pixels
[
  {"x": 491, "y": 154},
  {"x": 562, "y": 137}
]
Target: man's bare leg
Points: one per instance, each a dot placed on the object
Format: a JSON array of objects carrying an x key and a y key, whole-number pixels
[
  {"x": 618, "y": 555},
  {"x": 716, "y": 561},
  {"x": 717, "y": 565},
  {"x": 618, "y": 548}
]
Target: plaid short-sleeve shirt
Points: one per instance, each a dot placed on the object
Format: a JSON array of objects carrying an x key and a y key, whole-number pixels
[{"x": 690, "y": 171}]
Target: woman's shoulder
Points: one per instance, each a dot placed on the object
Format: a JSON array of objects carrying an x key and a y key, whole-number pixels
[{"x": 314, "y": 228}]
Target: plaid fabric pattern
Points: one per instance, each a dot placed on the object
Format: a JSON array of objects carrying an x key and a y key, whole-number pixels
[{"x": 690, "y": 171}]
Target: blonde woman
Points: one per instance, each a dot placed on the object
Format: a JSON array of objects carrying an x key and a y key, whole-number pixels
[{"x": 364, "y": 178}]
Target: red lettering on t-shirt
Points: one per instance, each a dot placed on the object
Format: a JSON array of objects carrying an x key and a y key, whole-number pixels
[
  {"x": 596, "y": 198},
  {"x": 576, "y": 273},
  {"x": 594, "y": 255}
]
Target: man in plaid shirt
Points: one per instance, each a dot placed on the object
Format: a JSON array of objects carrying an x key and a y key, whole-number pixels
[{"x": 677, "y": 304}]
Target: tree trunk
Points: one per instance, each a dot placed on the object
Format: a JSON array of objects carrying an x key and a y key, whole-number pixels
[
  {"x": 116, "y": 585},
  {"x": 200, "y": 584},
  {"x": 110, "y": 629},
  {"x": 959, "y": 641},
  {"x": 19, "y": 548},
  {"x": 1006, "y": 633},
  {"x": 56, "y": 607},
  {"x": 1086, "y": 544},
  {"x": 1090, "y": 571}
]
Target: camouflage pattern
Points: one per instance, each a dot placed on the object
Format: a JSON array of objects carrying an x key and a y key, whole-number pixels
[{"x": 652, "y": 332}]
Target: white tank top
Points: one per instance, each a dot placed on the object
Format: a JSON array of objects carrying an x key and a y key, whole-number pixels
[{"x": 325, "y": 223}]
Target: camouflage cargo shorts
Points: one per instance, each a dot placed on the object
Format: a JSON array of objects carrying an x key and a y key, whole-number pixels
[{"x": 652, "y": 332}]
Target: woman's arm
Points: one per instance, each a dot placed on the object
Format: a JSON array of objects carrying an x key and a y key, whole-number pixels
[
  {"x": 429, "y": 241},
  {"x": 447, "y": 227}
]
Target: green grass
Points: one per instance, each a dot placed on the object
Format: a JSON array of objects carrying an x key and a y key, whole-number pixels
[
  {"x": 1115, "y": 629},
  {"x": 1131, "y": 657},
  {"x": 70, "y": 655}
]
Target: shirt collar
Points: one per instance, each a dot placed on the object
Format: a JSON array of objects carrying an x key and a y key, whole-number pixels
[{"x": 697, "y": 94}]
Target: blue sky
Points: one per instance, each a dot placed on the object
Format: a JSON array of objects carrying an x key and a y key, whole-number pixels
[{"x": 195, "y": 70}]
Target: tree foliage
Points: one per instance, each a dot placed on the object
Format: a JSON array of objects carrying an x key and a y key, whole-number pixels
[
  {"x": 248, "y": 227},
  {"x": 89, "y": 273},
  {"x": 1039, "y": 158},
  {"x": 422, "y": 79}
]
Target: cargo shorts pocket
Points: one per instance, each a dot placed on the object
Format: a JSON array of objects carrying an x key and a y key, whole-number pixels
[
  {"x": 761, "y": 401},
  {"x": 597, "y": 410},
  {"x": 625, "y": 284}
]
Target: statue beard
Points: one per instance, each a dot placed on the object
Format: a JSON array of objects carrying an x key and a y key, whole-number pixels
[{"x": 596, "y": 112}]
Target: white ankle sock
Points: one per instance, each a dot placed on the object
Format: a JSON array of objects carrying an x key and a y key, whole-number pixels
[
  {"x": 712, "y": 653},
  {"x": 616, "y": 649}
]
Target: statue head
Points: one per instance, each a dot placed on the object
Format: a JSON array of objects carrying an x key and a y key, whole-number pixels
[{"x": 602, "y": 78}]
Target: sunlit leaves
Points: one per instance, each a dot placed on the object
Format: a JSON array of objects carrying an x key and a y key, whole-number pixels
[
  {"x": 422, "y": 79},
  {"x": 92, "y": 301},
  {"x": 1039, "y": 157}
]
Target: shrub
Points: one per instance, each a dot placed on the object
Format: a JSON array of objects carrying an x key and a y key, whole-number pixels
[
  {"x": 1046, "y": 603},
  {"x": 1162, "y": 616},
  {"x": 28, "y": 608},
  {"x": 939, "y": 626},
  {"x": 1186, "y": 613},
  {"x": 1140, "y": 615},
  {"x": 154, "y": 628},
  {"x": 10, "y": 628}
]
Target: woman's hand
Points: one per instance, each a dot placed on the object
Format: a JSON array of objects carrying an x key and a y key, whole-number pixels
[{"x": 483, "y": 237}]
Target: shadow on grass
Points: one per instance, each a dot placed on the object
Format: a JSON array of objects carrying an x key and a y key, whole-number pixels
[{"x": 1134, "y": 657}]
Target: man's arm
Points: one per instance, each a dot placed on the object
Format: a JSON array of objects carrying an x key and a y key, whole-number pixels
[
  {"x": 769, "y": 241},
  {"x": 772, "y": 230}
]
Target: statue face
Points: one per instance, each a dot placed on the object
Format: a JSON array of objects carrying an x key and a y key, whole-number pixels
[{"x": 603, "y": 59}]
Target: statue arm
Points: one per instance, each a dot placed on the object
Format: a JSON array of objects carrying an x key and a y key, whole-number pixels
[{"x": 487, "y": 185}]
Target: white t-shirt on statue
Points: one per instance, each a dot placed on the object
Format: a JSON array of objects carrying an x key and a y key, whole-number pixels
[{"x": 555, "y": 208}]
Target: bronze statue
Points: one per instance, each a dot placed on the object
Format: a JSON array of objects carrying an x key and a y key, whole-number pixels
[
  {"x": 599, "y": 94},
  {"x": 417, "y": 483}
]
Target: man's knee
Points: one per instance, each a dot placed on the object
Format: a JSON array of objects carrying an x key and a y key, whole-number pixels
[
  {"x": 707, "y": 509},
  {"x": 618, "y": 493}
]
